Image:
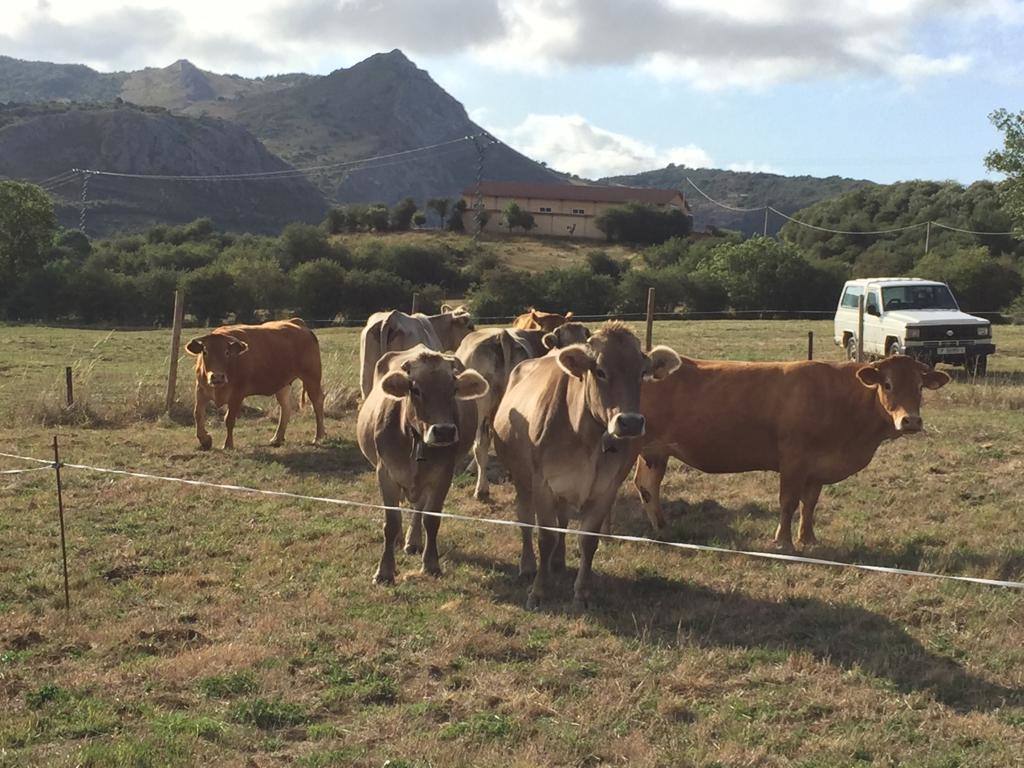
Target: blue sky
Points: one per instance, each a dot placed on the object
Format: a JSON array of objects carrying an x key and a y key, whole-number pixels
[{"x": 877, "y": 89}]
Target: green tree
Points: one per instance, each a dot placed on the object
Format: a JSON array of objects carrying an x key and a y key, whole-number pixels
[
  {"x": 979, "y": 282},
  {"x": 1010, "y": 161},
  {"x": 27, "y": 229},
  {"x": 516, "y": 217},
  {"x": 419, "y": 219},
  {"x": 401, "y": 214},
  {"x": 319, "y": 289},
  {"x": 301, "y": 243},
  {"x": 455, "y": 221},
  {"x": 637, "y": 223},
  {"x": 209, "y": 293},
  {"x": 440, "y": 206},
  {"x": 377, "y": 218}
]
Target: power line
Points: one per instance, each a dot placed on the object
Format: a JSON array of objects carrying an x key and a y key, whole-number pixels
[{"x": 846, "y": 231}]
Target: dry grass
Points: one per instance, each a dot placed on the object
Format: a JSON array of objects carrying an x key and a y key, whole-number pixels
[{"x": 217, "y": 629}]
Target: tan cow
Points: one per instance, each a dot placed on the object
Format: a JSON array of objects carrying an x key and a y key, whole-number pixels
[
  {"x": 493, "y": 353},
  {"x": 534, "y": 320},
  {"x": 235, "y": 361},
  {"x": 418, "y": 421},
  {"x": 395, "y": 331},
  {"x": 568, "y": 429},
  {"x": 814, "y": 423}
]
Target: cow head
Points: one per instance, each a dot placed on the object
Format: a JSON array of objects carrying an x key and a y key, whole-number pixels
[
  {"x": 215, "y": 354},
  {"x": 547, "y": 321},
  {"x": 611, "y": 365},
  {"x": 899, "y": 382},
  {"x": 566, "y": 334},
  {"x": 452, "y": 325},
  {"x": 430, "y": 383}
]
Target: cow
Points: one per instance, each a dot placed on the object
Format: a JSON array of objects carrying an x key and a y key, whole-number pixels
[
  {"x": 395, "y": 331},
  {"x": 815, "y": 423},
  {"x": 417, "y": 422},
  {"x": 568, "y": 430},
  {"x": 235, "y": 361},
  {"x": 534, "y": 320},
  {"x": 493, "y": 353}
]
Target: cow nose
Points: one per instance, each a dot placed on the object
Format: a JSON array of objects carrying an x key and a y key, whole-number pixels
[
  {"x": 441, "y": 434},
  {"x": 218, "y": 378},
  {"x": 911, "y": 424},
  {"x": 627, "y": 425}
]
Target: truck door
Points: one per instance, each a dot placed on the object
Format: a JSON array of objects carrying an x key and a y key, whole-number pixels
[{"x": 874, "y": 335}]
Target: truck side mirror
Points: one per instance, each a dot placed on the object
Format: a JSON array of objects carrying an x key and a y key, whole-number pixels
[{"x": 872, "y": 309}]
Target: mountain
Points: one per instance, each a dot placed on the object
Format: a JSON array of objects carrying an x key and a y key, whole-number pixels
[
  {"x": 741, "y": 189},
  {"x": 382, "y": 105},
  {"x": 43, "y": 140}
]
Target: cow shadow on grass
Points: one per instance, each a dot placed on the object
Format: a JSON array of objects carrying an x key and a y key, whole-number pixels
[
  {"x": 667, "y": 612},
  {"x": 335, "y": 457}
]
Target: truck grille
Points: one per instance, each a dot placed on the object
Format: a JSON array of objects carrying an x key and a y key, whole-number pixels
[{"x": 940, "y": 332}]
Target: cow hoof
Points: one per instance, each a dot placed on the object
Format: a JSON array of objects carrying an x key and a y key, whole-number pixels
[
  {"x": 527, "y": 573},
  {"x": 482, "y": 495},
  {"x": 580, "y": 605},
  {"x": 412, "y": 549},
  {"x": 205, "y": 443},
  {"x": 432, "y": 570},
  {"x": 785, "y": 547},
  {"x": 532, "y": 602},
  {"x": 384, "y": 579},
  {"x": 807, "y": 541},
  {"x": 276, "y": 443}
]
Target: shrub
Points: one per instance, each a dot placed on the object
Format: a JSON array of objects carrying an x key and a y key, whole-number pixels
[
  {"x": 455, "y": 223},
  {"x": 259, "y": 285},
  {"x": 371, "y": 291},
  {"x": 153, "y": 295},
  {"x": 979, "y": 282},
  {"x": 578, "y": 289},
  {"x": 600, "y": 263},
  {"x": 419, "y": 264},
  {"x": 377, "y": 218},
  {"x": 637, "y": 223},
  {"x": 300, "y": 243},
  {"x": 504, "y": 292},
  {"x": 209, "y": 293},
  {"x": 401, "y": 214},
  {"x": 319, "y": 289},
  {"x": 99, "y": 294}
]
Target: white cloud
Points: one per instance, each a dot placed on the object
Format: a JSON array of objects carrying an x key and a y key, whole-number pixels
[
  {"x": 752, "y": 167},
  {"x": 569, "y": 143}
]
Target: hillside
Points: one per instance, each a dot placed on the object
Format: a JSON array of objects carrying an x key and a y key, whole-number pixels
[
  {"x": 742, "y": 189},
  {"x": 41, "y": 141},
  {"x": 382, "y": 105}
]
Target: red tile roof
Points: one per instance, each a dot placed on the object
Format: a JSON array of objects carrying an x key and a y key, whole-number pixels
[{"x": 578, "y": 192}]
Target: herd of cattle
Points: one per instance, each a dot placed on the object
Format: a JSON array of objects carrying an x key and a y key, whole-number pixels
[{"x": 570, "y": 412}]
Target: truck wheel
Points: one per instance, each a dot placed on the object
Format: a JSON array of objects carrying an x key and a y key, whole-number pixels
[
  {"x": 977, "y": 366},
  {"x": 851, "y": 348},
  {"x": 895, "y": 348}
]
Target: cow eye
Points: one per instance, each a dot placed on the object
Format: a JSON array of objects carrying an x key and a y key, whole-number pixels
[
  {"x": 414, "y": 390},
  {"x": 888, "y": 386},
  {"x": 599, "y": 372}
]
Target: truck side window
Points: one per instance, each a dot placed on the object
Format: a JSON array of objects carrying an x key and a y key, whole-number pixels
[
  {"x": 850, "y": 297},
  {"x": 872, "y": 301}
]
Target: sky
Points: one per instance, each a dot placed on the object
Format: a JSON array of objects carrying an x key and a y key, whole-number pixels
[{"x": 885, "y": 90}]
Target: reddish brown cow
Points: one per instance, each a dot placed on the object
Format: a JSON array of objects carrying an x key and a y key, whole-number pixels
[
  {"x": 535, "y": 320},
  {"x": 814, "y": 423},
  {"x": 235, "y": 361}
]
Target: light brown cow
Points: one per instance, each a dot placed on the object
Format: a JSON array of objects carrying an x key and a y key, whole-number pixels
[
  {"x": 493, "y": 353},
  {"x": 235, "y": 361},
  {"x": 534, "y": 320},
  {"x": 568, "y": 429},
  {"x": 416, "y": 424},
  {"x": 395, "y": 331},
  {"x": 814, "y": 423}
]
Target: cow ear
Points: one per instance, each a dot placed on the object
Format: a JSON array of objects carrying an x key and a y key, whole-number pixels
[
  {"x": 194, "y": 347},
  {"x": 935, "y": 379},
  {"x": 550, "y": 341},
  {"x": 870, "y": 376},
  {"x": 469, "y": 385},
  {"x": 447, "y": 308},
  {"x": 664, "y": 361},
  {"x": 396, "y": 385},
  {"x": 568, "y": 316},
  {"x": 237, "y": 346},
  {"x": 575, "y": 360}
]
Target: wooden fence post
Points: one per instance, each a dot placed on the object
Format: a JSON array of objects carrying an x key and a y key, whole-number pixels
[
  {"x": 415, "y": 301},
  {"x": 60, "y": 513},
  {"x": 650, "y": 319},
  {"x": 860, "y": 328},
  {"x": 172, "y": 372},
  {"x": 810, "y": 345},
  {"x": 69, "y": 386}
]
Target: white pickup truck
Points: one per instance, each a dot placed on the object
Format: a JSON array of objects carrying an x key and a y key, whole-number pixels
[{"x": 913, "y": 317}]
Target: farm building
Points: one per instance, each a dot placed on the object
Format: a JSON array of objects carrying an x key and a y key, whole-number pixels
[{"x": 563, "y": 210}]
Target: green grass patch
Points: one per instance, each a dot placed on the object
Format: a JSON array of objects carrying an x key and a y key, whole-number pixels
[{"x": 267, "y": 713}]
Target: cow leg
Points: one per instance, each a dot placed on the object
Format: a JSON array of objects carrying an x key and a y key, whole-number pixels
[
  {"x": 234, "y": 408},
  {"x": 547, "y": 542},
  {"x": 315, "y": 393},
  {"x": 199, "y": 413},
  {"x": 808, "y": 502},
  {"x": 558, "y": 556},
  {"x": 481, "y": 451},
  {"x": 284, "y": 399},
  {"x": 414, "y": 535},
  {"x": 391, "y": 496},
  {"x": 594, "y": 516},
  {"x": 524, "y": 514},
  {"x": 790, "y": 491},
  {"x": 650, "y": 471}
]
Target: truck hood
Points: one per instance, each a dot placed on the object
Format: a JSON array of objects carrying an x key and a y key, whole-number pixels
[{"x": 933, "y": 317}]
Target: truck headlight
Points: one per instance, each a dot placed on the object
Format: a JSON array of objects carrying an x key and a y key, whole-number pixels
[
  {"x": 984, "y": 330},
  {"x": 913, "y": 333}
]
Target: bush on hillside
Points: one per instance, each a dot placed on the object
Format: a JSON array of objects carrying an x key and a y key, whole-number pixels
[
  {"x": 637, "y": 223},
  {"x": 319, "y": 288},
  {"x": 979, "y": 282},
  {"x": 209, "y": 294}
]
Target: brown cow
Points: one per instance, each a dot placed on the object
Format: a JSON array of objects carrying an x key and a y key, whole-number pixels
[
  {"x": 567, "y": 430},
  {"x": 493, "y": 353},
  {"x": 534, "y": 320},
  {"x": 395, "y": 331},
  {"x": 235, "y": 361},
  {"x": 415, "y": 425},
  {"x": 814, "y": 423}
]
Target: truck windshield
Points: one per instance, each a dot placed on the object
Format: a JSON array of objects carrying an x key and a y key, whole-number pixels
[{"x": 917, "y": 297}]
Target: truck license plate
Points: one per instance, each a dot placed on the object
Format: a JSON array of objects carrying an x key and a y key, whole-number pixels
[{"x": 952, "y": 350}]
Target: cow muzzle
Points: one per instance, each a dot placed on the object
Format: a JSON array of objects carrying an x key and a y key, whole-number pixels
[
  {"x": 216, "y": 379},
  {"x": 627, "y": 425},
  {"x": 908, "y": 425},
  {"x": 441, "y": 435}
]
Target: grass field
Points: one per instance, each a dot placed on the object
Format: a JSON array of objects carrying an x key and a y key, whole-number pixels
[{"x": 210, "y": 628}]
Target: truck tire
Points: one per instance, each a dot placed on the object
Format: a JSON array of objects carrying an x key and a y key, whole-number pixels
[
  {"x": 851, "y": 348},
  {"x": 977, "y": 366},
  {"x": 894, "y": 348}
]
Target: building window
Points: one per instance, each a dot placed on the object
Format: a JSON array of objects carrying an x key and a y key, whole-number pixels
[
  {"x": 545, "y": 209},
  {"x": 578, "y": 211}
]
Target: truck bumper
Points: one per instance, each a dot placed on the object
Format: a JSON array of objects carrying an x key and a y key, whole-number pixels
[{"x": 954, "y": 353}]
